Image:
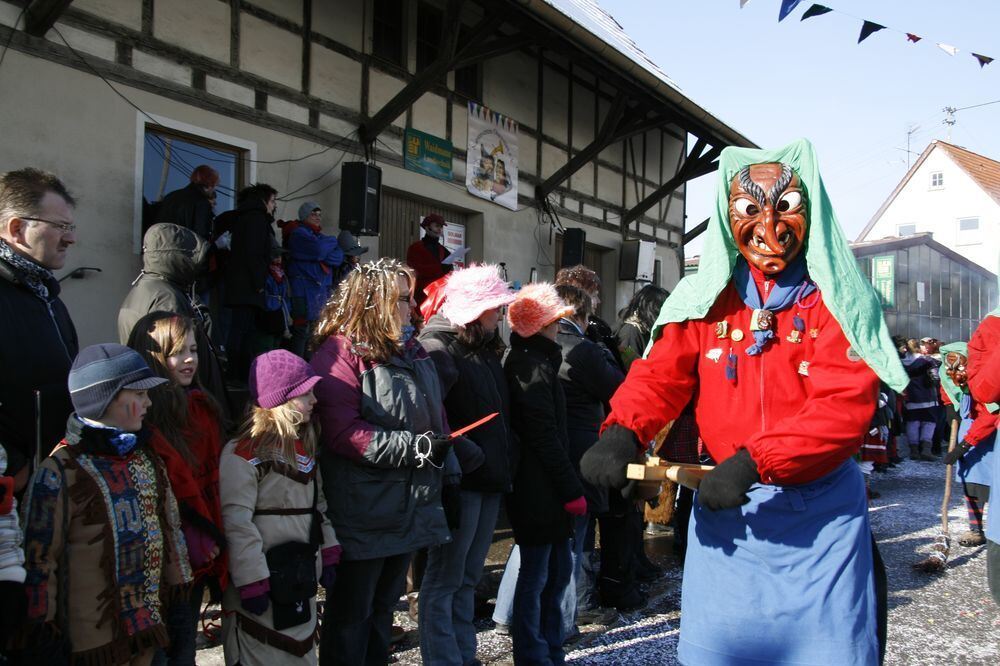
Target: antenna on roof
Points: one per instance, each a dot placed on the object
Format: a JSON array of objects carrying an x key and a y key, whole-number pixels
[{"x": 950, "y": 120}]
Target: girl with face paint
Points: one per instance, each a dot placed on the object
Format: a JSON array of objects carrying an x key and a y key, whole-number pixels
[{"x": 101, "y": 513}]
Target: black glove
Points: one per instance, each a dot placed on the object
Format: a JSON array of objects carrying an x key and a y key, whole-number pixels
[
  {"x": 951, "y": 414},
  {"x": 952, "y": 456},
  {"x": 604, "y": 464},
  {"x": 451, "y": 501},
  {"x": 440, "y": 445},
  {"x": 13, "y": 610},
  {"x": 726, "y": 486},
  {"x": 470, "y": 455}
]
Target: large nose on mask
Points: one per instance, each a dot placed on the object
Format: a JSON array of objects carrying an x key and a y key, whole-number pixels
[{"x": 771, "y": 230}]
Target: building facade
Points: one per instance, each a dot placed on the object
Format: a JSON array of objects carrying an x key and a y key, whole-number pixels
[{"x": 122, "y": 98}]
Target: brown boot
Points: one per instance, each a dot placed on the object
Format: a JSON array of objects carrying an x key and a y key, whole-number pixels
[
  {"x": 971, "y": 539},
  {"x": 925, "y": 452}
]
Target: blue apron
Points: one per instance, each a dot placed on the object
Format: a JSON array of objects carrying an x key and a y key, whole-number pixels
[
  {"x": 786, "y": 579},
  {"x": 976, "y": 466}
]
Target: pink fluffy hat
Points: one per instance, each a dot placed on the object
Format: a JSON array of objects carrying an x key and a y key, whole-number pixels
[
  {"x": 536, "y": 306},
  {"x": 472, "y": 291}
]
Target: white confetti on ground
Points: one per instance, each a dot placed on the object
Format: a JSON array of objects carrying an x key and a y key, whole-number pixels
[{"x": 945, "y": 618}]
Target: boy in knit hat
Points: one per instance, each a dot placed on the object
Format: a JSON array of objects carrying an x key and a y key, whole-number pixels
[
  {"x": 547, "y": 493},
  {"x": 102, "y": 497}
]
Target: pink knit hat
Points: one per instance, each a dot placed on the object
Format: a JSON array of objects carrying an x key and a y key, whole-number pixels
[
  {"x": 536, "y": 306},
  {"x": 472, "y": 291},
  {"x": 278, "y": 376}
]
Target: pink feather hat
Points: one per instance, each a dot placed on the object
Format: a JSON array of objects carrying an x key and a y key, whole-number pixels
[
  {"x": 470, "y": 292},
  {"x": 536, "y": 306}
]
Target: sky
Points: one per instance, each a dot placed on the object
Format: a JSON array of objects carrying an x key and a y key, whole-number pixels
[{"x": 775, "y": 82}]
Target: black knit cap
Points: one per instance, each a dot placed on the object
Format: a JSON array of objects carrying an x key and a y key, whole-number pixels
[{"x": 99, "y": 372}]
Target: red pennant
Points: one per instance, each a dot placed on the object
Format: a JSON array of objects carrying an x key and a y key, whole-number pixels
[
  {"x": 913, "y": 38},
  {"x": 983, "y": 60}
]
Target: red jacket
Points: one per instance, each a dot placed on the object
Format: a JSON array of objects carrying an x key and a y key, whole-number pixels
[
  {"x": 427, "y": 267},
  {"x": 984, "y": 361},
  {"x": 197, "y": 487},
  {"x": 800, "y": 409},
  {"x": 983, "y": 425}
]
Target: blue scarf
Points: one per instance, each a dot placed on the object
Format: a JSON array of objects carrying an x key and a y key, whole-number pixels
[{"x": 790, "y": 286}]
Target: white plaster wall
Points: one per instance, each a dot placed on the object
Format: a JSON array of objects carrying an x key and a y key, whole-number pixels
[
  {"x": 335, "y": 77},
  {"x": 381, "y": 89},
  {"x": 340, "y": 21},
  {"x": 198, "y": 26},
  {"x": 510, "y": 85},
  {"x": 429, "y": 114},
  {"x": 270, "y": 51},
  {"x": 583, "y": 116},
  {"x": 939, "y": 210},
  {"x": 124, "y": 12}
]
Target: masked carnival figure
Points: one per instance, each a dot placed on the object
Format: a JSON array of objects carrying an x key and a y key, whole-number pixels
[{"x": 779, "y": 341}]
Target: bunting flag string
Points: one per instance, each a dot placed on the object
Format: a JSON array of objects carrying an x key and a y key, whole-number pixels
[{"x": 868, "y": 28}]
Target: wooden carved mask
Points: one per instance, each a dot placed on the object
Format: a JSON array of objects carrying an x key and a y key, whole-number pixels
[
  {"x": 955, "y": 367},
  {"x": 767, "y": 215}
]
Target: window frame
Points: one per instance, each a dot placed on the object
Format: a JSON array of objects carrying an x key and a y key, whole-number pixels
[
  {"x": 246, "y": 165},
  {"x": 899, "y": 229},
  {"x": 940, "y": 185},
  {"x": 968, "y": 236}
]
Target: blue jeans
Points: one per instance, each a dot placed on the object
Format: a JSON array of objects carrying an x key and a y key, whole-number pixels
[
  {"x": 448, "y": 590},
  {"x": 505, "y": 595},
  {"x": 537, "y": 623}
]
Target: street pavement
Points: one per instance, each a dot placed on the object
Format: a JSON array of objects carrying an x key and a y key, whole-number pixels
[{"x": 943, "y": 618}]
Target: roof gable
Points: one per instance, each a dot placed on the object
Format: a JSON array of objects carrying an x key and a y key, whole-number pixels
[{"x": 984, "y": 171}]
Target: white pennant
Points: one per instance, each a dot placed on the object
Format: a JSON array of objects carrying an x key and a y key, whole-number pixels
[{"x": 947, "y": 48}]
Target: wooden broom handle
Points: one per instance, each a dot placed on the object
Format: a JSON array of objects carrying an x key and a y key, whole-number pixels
[{"x": 952, "y": 442}]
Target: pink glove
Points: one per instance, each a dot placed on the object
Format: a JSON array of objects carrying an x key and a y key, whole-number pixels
[
  {"x": 199, "y": 545},
  {"x": 577, "y": 507},
  {"x": 253, "y": 597}
]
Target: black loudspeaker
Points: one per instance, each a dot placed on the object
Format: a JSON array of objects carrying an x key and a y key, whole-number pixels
[
  {"x": 360, "y": 198},
  {"x": 574, "y": 241}
]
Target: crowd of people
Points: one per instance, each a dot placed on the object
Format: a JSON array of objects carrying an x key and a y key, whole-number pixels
[{"x": 387, "y": 423}]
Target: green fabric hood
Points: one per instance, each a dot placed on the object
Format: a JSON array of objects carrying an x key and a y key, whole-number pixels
[
  {"x": 831, "y": 264},
  {"x": 954, "y": 392}
]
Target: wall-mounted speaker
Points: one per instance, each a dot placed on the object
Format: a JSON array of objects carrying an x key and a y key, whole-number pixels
[
  {"x": 637, "y": 260},
  {"x": 573, "y": 243},
  {"x": 360, "y": 198}
]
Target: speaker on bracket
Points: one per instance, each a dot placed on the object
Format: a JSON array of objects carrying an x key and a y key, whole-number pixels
[
  {"x": 573, "y": 242},
  {"x": 360, "y": 198}
]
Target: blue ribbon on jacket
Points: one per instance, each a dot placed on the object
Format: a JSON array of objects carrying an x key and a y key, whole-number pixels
[{"x": 790, "y": 286}]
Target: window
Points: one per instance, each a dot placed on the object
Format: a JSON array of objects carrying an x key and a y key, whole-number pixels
[
  {"x": 968, "y": 231},
  {"x": 468, "y": 79},
  {"x": 387, "y": 31},
  {"x": 169, "y": 157},
  {"x": 937, "y": 180},
  {"x": 429, "y": 34},
  {"x": 906, "y": 229}
]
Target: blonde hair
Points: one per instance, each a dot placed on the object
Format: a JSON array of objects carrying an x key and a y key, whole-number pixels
[
  {"x": 364, "y": 310},
  {"x": 272, "y": 433}
]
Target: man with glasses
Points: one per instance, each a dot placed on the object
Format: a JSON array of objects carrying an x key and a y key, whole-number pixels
[{"x": 37, "y": 338}]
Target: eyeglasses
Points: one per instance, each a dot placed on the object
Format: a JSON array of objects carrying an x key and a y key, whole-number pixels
[
  {"x": 404, "y": 298},
  {"x": 64, "y": 227}
]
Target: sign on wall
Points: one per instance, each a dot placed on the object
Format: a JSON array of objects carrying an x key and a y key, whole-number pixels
[
  {"x": 492, "y": 159},
  {"x": 884, "y": 278},
  {"x": 427, "y": 154}
]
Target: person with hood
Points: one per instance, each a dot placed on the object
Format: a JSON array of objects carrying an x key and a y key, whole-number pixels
[
  {"x": 780, "y": 341},
  {"x": 547, "y": 497},
  {"x": 37, "y": 339},
  {"x": 976, "y": 439},
  {"x": 424, "y": 256},
  {"x": 172, "y": 259},
  {"x": 246, "y": 274},
  {"x": 191, "y": 206},
  {"x": 984, "y": 386},
  {"x": 313, "y": 259},
  {"x": 462, "y": 340}
]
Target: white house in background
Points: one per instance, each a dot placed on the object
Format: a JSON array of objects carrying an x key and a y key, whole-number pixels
[{"x": 952, "y": 193}]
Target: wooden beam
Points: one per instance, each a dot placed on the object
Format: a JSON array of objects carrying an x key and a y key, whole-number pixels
[
  {"x": 41, "y": 15},
  {"x": 693, "y": 168},
  {"x": 444, "y": 63},
  {"x": 493, "y": 48},
  {"x": 694, "y": 233}
]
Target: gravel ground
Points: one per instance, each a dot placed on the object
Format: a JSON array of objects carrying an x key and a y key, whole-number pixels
[{"x": 946, "y": 618}]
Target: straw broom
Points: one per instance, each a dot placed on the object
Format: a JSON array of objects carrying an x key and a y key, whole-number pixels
[{"x": 938, "y": 558}]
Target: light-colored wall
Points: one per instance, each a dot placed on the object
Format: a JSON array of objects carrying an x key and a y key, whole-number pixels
[
  {"x": 95, "y": 149},
  {"x": 938, "y": 210}
]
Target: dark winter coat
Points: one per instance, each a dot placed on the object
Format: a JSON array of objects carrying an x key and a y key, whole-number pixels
[
  {"x": 545, "y": 479},
  {"x": 187, "y": 207},
  {"x": 37, "y": 346},
  {"x": 474, "y": 385},
  {"x": 312, "y": 258},
  {"x": 589, "y": 377},
  {"x": 172, "y": 258},
  {"x": 250, "y": 255}
]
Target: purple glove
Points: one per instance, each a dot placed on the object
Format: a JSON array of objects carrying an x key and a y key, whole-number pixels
[
  {"x": 576, "y": 507},
  {"x": 199, "y": 545},
  {"x": 331, "y": 558},
  {"x": 253, "y": 597}
]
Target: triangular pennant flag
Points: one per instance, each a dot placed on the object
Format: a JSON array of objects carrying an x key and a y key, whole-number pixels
[
  {"x": 867, "y": 29},
  {"x": 983, "y": 60},
  {"x": 913, "y": 38},
  {"x": 947, "y": 48},
  {"x": 743, "y": 3},
  {"x": 815, "y": 10},
  {"x": 787, "y": 6}
]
